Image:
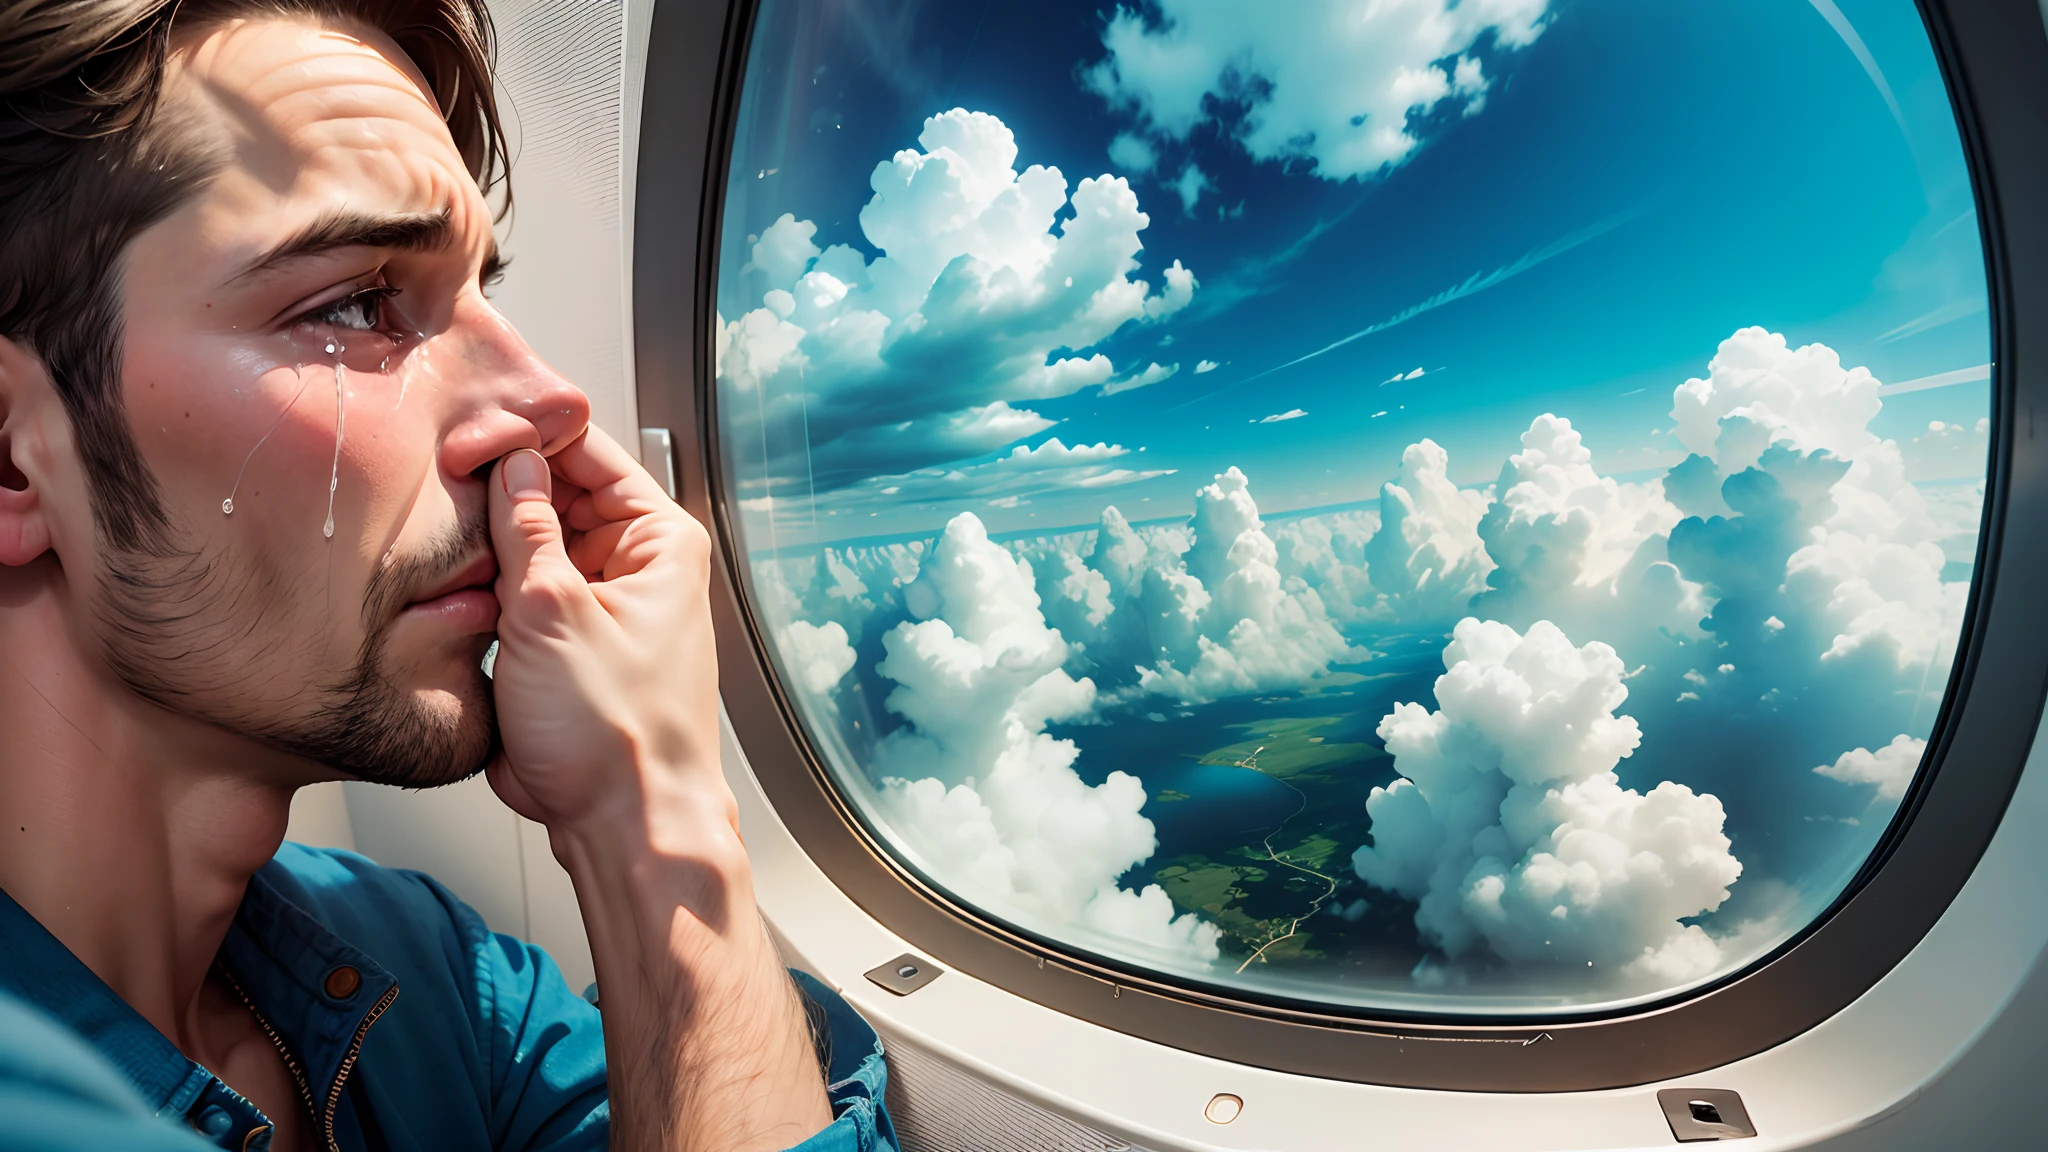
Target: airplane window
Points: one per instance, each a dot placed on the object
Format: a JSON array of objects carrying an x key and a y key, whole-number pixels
[{"x": 1440, "y": 507}]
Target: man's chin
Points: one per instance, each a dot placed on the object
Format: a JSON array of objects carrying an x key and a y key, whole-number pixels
[{"x": 409, "y": 737}]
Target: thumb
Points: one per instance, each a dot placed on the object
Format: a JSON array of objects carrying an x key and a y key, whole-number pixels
[{"x": 525, "y": 532}]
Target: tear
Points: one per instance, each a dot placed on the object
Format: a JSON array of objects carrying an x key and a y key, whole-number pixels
[
  {"x": 227, "y": 506},
  {"x": 340, "y": 428}
]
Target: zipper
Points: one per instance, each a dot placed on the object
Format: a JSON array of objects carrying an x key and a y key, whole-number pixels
[
  {"x": 348, "y": 1060},
  {"x": 348, "y": 1063},
  {"x": 291, "y": 1062}
]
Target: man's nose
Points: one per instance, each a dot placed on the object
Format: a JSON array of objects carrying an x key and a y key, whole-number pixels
[{"x": 507, "y": 397}]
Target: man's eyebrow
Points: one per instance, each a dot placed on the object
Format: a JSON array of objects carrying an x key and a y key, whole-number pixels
[{"x": 400, "y": 231}]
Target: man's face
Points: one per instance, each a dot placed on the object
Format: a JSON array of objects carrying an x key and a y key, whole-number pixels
[{"x": 320, "y": 387}]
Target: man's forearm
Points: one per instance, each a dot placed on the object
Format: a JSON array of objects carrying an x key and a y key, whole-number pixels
[{"x": 706, "y": 1041}]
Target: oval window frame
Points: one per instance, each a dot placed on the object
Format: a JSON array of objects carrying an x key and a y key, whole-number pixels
[{"x": 1994, "y": 59}]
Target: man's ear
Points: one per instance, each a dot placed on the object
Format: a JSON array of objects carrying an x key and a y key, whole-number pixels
[{"x": 24, "y": 526}]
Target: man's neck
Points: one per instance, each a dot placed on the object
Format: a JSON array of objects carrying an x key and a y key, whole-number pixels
[{"x": 129, "y": 832}]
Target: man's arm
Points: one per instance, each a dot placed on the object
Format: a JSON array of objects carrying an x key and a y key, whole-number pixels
[{"x": 607, "y": 698}]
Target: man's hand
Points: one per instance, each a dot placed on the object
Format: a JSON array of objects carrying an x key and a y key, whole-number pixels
[
  {"x": 606, "y": 666},
  {"x": 607, "y": 699}
]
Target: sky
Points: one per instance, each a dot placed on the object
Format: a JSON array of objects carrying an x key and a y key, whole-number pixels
[
  {"x": 1578, "y": 237},
  {"x": 1602, "y": 383}
]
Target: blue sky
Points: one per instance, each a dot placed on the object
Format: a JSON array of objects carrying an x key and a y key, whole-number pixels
[{"x": 1736, "y": 160}]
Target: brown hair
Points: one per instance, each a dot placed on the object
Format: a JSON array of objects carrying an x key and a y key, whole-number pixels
[{"x": 86, "y": 163}]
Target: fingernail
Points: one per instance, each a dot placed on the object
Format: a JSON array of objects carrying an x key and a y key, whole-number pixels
[{"x": 526, "y": 476}]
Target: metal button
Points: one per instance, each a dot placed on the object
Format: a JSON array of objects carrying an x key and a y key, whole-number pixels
[
  {"x": 1705, "y": 1114},
  {"x": 343, "y": 982},
  {"x": 905, "y": 974},
  {"x": 1223, "y": 1108},
  {"x": 214, "y": 1121}
]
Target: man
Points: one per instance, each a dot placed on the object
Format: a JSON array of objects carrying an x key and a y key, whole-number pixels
[{"x": 273, "y": 476}]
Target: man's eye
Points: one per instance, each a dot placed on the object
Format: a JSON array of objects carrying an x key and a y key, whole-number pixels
[{"x": 362, "y": 311}]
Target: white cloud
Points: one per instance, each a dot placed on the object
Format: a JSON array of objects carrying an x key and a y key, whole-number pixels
[
  {"x": 1891, "y": 767},
  {"x": 1948, "y": 451},
  {"x": 1290, "y": 414},
  {"x": 1116, "y": 477},
  {"x": 1511, "y": 830},
  {"x": 1053, "y": 454},
  {"x": 1002, "y": 482},
  {"x": 1584, "y": 550},
  {"x": 1758, "y": 391},
  {"x": 988, "y": 802},
  {"x": 1189, "y": 186},
  {"x": 1327, "y": 553},
  {"x": 1152, "y": 374},
  {"x": 1335, "y": 83},
  {"x": 818, "y": 656},
  {"x": 1784, "y": 433},
  {"x": 784, "y": 251},
  {"x": 1427, "y": 556},
  {"x": 1206, "y": 366},
  {"x": 928, "y": 352},
  {"x": 1132, "y": 152},
  {"x": 1225, "y": 620}
]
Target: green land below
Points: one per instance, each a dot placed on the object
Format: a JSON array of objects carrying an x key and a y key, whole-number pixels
[{"x": 1256, "y": 891}]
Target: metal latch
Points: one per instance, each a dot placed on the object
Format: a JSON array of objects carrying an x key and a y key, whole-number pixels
[
  {"x": 1705, "y": 1114},
  {"x": 657, "y": 455},
  {"x": 905, "y": 974}
]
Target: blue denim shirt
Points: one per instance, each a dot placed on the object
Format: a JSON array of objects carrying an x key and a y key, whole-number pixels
[{"x": 406, "y": 1023}]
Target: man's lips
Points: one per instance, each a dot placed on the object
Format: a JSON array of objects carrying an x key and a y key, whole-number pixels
[{"x": 465, "y": 598}]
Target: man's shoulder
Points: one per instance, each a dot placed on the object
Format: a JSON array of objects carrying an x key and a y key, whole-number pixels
[{"x": 366, "y": 903}]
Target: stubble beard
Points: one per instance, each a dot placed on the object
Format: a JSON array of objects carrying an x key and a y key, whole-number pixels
[{"x": 157, "y": 608}]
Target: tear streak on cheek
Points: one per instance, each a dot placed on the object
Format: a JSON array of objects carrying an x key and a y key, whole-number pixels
[
  {"x": 227, "y": 506},
  {"x": 340, "y": 428}
]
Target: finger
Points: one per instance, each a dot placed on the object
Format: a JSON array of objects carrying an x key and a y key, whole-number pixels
[
  {"x": 527, "y": 534},
  {"x": 592, "y": 551},
  {"x": 581, "y": 515},
  {"x": 619, "y": 487}
]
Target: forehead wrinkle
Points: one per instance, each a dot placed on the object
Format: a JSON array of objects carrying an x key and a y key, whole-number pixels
[{"x": 326, "y": 96}]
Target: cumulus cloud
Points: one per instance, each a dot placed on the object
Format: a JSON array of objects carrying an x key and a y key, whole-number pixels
[
  {"x": 1891, "y": 767},
  {"x": 817, "y": 656},
  {"x": 1426, "y": 556},
  {"x": 1511, "y": 830},
  {"x": 1227, "y": 622},
  {"x": 1152, "y": 374},
  {"x": 1206, "y": 366},
  {"x": 930, "y": 352},
  {"x": 1584, "y": 550},
  {"x": 1780, "y": 436},
  {"x": 1290, "y": 414},
  {"x": 1197, "y": 611},
  {"x": 1327, "y": 553},
  {"x": 985, "y": 798},
  {"x": 1342, "y": 84}
]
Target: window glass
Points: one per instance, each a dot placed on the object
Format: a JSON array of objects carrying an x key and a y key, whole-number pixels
[{"x": 1433, "y": 506}]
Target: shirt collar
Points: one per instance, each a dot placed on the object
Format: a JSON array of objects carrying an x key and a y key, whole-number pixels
[{"x": 316, "y": 993}]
